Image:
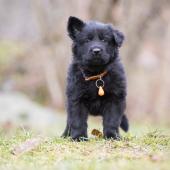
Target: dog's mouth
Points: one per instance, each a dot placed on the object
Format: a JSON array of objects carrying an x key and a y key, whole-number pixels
[
  {"x": 94, "y": 64},
  {"x": 96, "y": 61}
]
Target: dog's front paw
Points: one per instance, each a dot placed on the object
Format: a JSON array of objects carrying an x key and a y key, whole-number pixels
[
  {"x": 78, "y": 135},
  {"x": 80, "y": 138},
  {"x": 112, "y": 134}
]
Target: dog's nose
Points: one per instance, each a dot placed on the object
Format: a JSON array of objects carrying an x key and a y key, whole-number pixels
[{"x": 96, "y": 51}]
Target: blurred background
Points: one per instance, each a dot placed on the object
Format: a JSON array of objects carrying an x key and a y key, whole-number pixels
[{"x": 35, "y": 52}]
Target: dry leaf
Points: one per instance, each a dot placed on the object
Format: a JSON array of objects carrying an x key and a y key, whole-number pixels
[{"x": 97, "y": 133}]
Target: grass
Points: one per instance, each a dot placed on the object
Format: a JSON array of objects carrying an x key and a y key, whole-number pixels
[{"x": 149, "y": 150}]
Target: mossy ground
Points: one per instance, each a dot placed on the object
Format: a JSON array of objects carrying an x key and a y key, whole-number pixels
[{"x": 149, "y": 150}]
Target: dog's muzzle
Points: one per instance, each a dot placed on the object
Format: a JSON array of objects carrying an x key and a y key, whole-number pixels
[{"x": 96, "y": 51}]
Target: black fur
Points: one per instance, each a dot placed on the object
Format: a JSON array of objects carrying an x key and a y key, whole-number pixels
[{"x": 82, "y": 96}]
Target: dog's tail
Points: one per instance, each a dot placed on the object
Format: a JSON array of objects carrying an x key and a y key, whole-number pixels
[{"x": 124, "y": 123}]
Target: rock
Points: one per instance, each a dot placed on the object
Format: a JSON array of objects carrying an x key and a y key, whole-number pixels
[{"x": 18, "y": 109}]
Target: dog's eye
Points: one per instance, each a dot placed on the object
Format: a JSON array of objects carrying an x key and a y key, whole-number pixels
[
  {"x": 89, "y": 38},
  {"x": 102, "y": 39}
]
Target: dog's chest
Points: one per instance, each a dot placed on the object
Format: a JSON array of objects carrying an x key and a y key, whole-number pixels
[
  {"x": 92, "y": 100},
  {"x": 91, "y": 88}
]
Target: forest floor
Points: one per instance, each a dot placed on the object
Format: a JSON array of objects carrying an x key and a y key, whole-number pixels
[{"x": 147, "y": 149}]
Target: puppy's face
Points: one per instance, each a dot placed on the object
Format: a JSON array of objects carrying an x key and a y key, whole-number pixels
[{"x": 94, "y": 43}]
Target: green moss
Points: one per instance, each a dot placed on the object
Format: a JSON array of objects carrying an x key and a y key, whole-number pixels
[{"x": 148, "y": 151}]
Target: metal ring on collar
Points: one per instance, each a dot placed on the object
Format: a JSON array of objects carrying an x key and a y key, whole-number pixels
[{"x": 99, "y": 81}]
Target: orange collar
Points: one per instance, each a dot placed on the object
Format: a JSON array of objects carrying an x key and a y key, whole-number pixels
[
  {"x": 96, "y": 76},
  {"x": 99, "y": 76}
]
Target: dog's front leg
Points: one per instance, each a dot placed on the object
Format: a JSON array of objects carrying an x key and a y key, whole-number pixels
[
  {"x": 77, "y": 120},
  {"x": 112, "y": 114}
]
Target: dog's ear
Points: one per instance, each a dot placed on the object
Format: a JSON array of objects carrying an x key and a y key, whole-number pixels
[
  {"x": 118, "y": 36},
  {"x": 74, "y": 26}
]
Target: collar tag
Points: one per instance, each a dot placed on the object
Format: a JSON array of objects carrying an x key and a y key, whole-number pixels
[{"x": 100, "y": 85}]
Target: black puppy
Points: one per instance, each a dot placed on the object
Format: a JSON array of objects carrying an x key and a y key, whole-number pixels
[{"x": 96, "y": 81}]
